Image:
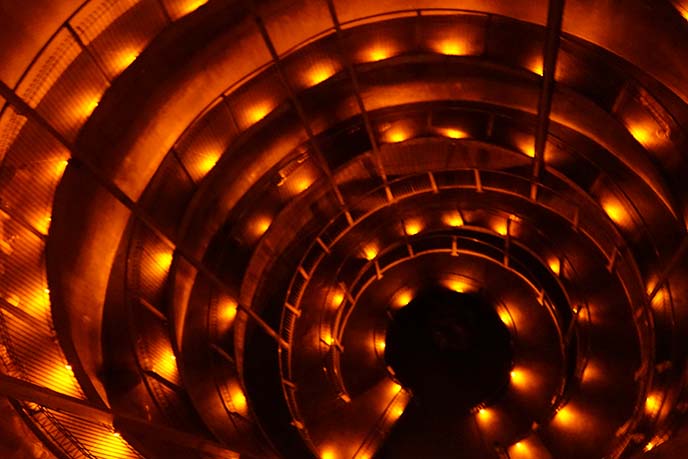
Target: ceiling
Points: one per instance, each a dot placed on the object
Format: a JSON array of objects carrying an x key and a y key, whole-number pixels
[{"x": 343, "y": 229}]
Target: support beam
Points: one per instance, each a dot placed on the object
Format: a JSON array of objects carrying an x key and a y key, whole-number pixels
[
  {"x": 555, "y": 15},
  {"x": 357, "y": 94},
  {"x": 678, "y": 256}
]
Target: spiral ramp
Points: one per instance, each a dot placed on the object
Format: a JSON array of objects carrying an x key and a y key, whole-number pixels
[{"x": 343, "y": 229}]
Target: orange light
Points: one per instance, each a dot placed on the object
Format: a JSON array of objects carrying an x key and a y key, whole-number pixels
[
  {"x": 526, "y": 145},
  {"x": 378, "y": 53},
  {"x": 328, "y": 454},
  {"x": 238, "y": 400},
  {"x": 302, "y": 184},
  {"x": 457, "y": 285},
  {"x": 683, "y": 11},
  {"x": 564, "y": 416},
  {"x": 555, "y": 265},
  {"x": 453, "y": 133},
  {"x": 320, "y": 73},
  {"x": 61, "y": 166},
  {"x": 380, "y": 345},
  {"x": 62, "y": 380},
  {"x": 207, "y": 162},
  {"x": 518, "y": 377},
  {"x": 592, "y": 372},
  {"x": 520, "y": 450},
  {"x": 396, "y": 411},
  {"x": 615, "y": 211},
  {"x": 484, "y": 414},
  {"x": 500, "y": 228},
  {"x": 326, "y": 337},
  {"x": 413, "y": 227},
  {"x": 652, "y": 404},
  {"x": 192, "y": 6},
  {"x": 395, "y": 388},
  {"x": 125, "y": 59},
  {"x": 89, "y": 106},
  {"x": 535, "y": 66},
  {"x": 164, "y": 260},
  {"x": 257, "y": 112},
  {"x": 450, "y": 48},
  {"x": 260, "y": 226},
  {"x": 166, "y": 367},
  {"x": 453, "y": 219},
  {"x": 642, "y": 134},
  {"x": 228, "y": 311},
  {"x": 505, "y": 317},
  {"x": 43, "y": 225},
  {"x": 337, "y": 299},
  {"x": 370, "y": 252},
  {"x": 402, "y": 298},
  {"x": 396, "y": 135}
]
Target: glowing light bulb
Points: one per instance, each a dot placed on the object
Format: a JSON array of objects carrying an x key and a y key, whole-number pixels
[
  {"x": 615, "y": 211},
  {"x": 397, "y": 135},
  {"x": 642, "y": 134},
  {"x": 378, "y": 53},
  {"x": 564, "y": 416},
  {"x": 499, "y": 226},
  {"x": 320, "y": 73},
  {"x": 260, "y": 226},
  {"x": 257, "y": 112},
  {"x": 207, "y": 162},
  {"x": 484, "y": 415},
  {"x": 652, "y": 404},
  {"x": 370, "y": 252},
  {"x": 61, "y": 166},
  {"x": 238, "y": 400},
  {"x": 453, "y": 219},
  {"x": 518, "y": 377},
  {"x": 413, "y": 227},
  {"x": 453, "y": 133},
  {"x": 337, "y": 299},
  {"x": 451, "y": 48},
  {"x": 554, "y": 265},
  {"x": 505, "y": 317},
  {"x": 535, "y": 66},
  {"x": 125, "y": 59},
  {"x": 380, "y": 345},
  {"x": 402, "y": 298},
  {"x": 456, "y": 285}
]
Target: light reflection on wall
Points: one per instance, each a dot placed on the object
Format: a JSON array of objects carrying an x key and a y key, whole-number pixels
[
  {"x": 402, "y": 298},
  {"x": 378, "y": 52},
  {"x": 450, "y": 47},
  {"x": 453, "y": 133},
  {"x": 191, "y": 6},
  {"x": 125, "y": 59}
]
